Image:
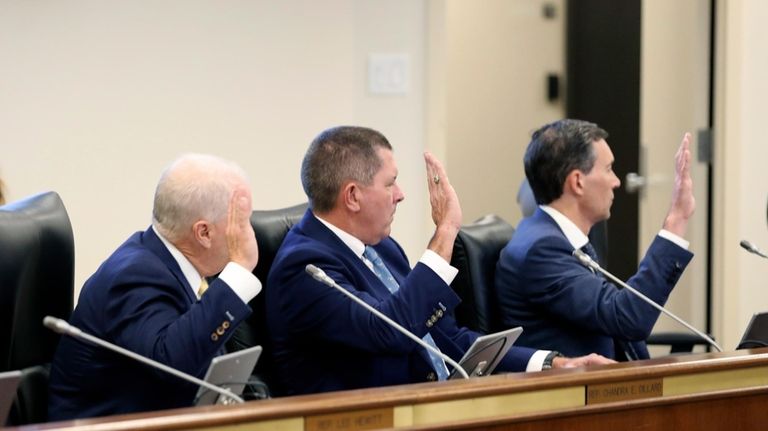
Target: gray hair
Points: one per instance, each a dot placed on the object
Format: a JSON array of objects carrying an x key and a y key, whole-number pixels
[
  {"x": 340, "y": 154},
  {"x": 194, "y": 187}
]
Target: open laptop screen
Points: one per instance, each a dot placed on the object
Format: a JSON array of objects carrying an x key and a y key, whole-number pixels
[
  {"x": 486, "y": 352},
  {"x": 756, "y": 334},
  {"x": 9, "y": 381},
  {"x": 230, "y": 371}
]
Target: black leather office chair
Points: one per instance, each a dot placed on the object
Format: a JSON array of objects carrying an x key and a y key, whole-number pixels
[
  {"x": 475, "y": 254},
  {"x": 36, "y": 279},
  {"x": 270, "y": 228},
  {"x": 678, "y": 342}
]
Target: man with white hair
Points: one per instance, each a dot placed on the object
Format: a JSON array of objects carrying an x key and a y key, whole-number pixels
[{"x": 148, "y": 296}]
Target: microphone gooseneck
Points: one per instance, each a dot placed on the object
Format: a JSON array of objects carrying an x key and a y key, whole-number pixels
[
  {"x": 748, "y": 246},
  {"x": 63, "y": 327},
  {"x": 320, "y": 275},
  {"x": 587, "y": 261}
]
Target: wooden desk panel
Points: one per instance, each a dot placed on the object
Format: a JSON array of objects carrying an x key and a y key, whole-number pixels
[{"x": 696, "y": 391}]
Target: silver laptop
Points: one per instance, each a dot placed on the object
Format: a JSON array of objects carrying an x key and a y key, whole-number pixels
[
  {"x": 230, "y": 371},
  {"x": 486, "y": 352},
  {"x": 9, "y": 381}
]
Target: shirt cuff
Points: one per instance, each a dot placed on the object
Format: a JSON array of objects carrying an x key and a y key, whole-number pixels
[
  {"x": 241, "y": 281},
  {"x": 674, "y": 238},
  {"x": 537, "y": 360},
  {"x": 442, "y": 268}
]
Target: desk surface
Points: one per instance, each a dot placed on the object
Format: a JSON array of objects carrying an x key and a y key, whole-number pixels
[{"x": 698, "y": 387}]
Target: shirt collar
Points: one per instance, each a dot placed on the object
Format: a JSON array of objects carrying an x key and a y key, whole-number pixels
[
  {"x": 574, "y": 235},
  {"x": 357, "y": 246},
  {"x": 189, "y": 271}
]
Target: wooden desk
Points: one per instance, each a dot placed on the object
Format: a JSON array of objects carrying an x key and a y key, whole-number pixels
[{"x": 714, "y": 391}]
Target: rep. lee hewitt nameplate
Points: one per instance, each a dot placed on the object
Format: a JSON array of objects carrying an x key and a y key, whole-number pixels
[{"x": 357, "y": 420}]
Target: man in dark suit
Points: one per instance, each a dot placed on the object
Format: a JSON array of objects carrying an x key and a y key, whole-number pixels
[
  {"x": 148, "y": 297},
  {"x": 561, "y": 304},
  {"x": 324, "y": 341}
]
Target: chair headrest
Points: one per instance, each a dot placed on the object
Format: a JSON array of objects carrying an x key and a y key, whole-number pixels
[
  {"x": 36, "y": 277},
  {"x": 270, "y": 227},
  {"x": 475, "y": 254}
]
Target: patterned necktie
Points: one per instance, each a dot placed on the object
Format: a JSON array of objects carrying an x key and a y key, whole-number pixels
[
  {"x": 622, "y": 347},
  {"x": 587, "y": 248},
  {"x": 590, "y": 251},
  {"x": 386, "y": 277},
  {"x": 203, "y": 287}
]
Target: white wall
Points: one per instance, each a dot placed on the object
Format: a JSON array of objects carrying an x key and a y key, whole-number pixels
[
  {"x": 97, "y": 97},
  {"x": 675, "y": 99},
  {"x": 489, "y": 70},
  {"x": 740, "y": 165}
]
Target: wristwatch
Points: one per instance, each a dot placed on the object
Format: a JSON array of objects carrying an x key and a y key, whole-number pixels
[{"x": 547, "y": 364}]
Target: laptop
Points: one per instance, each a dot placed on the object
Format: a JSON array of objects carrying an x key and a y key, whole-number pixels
[
  {"x": 230, "y": 371},
  {"x": 9, "y": 381},
  {"x": 486, "y": 352},
  {"x": 756, "y": 334}
]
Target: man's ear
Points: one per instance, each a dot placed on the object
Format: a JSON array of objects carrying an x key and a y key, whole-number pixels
[
  {"x": 202, "y": 232},
  {"x": 574, "y": 183},
  {"x": 351, "y": 195}
]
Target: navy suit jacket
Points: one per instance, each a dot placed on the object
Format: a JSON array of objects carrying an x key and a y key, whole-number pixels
[
  {"x": 140, "y": 300},
  {"x": 564, "y": 306},
  {"x": 324, "y": 341}
]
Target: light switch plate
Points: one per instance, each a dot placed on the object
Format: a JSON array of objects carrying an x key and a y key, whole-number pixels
[{"x": 389, "y": 73}]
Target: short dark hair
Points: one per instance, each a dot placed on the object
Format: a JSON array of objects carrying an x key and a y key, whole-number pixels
[
  {"x": 555, "y": 150},
  {"x": 337, "y": 155}
]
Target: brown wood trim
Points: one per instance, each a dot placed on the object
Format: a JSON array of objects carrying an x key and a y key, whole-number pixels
[
  {"x": 334, "y": 402},
  {"x": 600, "y": 409}
]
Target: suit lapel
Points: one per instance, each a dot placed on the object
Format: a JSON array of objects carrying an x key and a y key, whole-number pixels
[
  {"x": 151, "y": 241},
  {"x": 314, "y": 228}
]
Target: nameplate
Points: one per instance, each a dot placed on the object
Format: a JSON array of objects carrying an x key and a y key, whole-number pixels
[
  {"x": 351, "y": 421},
  {"x": 624, "y": 391}
]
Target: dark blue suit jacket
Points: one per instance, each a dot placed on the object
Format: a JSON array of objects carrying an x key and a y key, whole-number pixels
[
  {"x": 139, "y": 300},
  {"x": 564, "y": 306},
  {"x": 323, "y": 341}
]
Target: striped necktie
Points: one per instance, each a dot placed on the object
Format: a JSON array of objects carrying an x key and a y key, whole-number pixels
[
  {"x": 590, "y": 251},
  {"x": 587, "y": 248},
  {"x": 386, "y": 277}
]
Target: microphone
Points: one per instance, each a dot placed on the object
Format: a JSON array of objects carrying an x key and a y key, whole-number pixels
[
  {"x": 63, "y": 327},
  {"x": 320, "y": 275},
  {"x": 748, "y": 246},
  {"x": 587, "y": 261}
]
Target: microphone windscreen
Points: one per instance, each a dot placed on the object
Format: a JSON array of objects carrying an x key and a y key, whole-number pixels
[
  {"x": 312, "y": 270},
  {"x": 54, "y": 324}
]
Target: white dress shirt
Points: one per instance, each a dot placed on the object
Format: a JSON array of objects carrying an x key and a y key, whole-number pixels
[
  {"x": 437, "y": 264},
  {"x": 245, "y": 285}
]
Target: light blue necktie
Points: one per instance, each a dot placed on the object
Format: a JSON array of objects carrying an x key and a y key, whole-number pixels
[{"x": 386, "y": 277}]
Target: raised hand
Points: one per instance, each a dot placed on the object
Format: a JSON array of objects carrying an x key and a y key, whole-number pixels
[
  {"x": 683, "y": 203},
  {"x": 446, "y": 211},
  {"x": 241, "y": 240}
]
